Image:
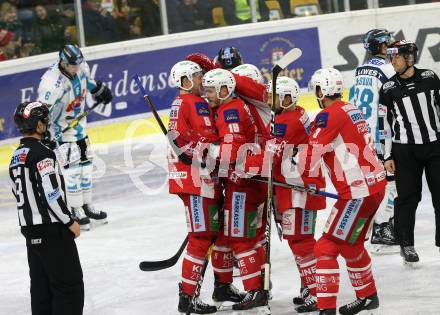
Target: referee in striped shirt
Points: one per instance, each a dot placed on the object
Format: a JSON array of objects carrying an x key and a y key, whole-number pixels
[
  {"x": 412, "y": 100},
  {"x": 57, "y": 286}
]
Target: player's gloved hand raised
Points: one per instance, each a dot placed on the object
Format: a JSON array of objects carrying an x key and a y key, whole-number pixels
[
  {"x": 102, "y": 93},
  {"x": 203, "y": 61}
]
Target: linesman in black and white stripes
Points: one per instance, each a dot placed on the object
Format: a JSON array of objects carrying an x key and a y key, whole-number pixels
[
  {"x": 412, "y": 100},
  {"x": 56, "y": 276}
]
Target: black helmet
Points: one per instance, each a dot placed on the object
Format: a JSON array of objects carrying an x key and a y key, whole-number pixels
[
  {"x": 404, "y": 48},
  {"x": 375, "y": 37},
  {"x": 71, "y": 54},
  {"x": 229, "y": 57},
  {"x": 28, "y": 114}
]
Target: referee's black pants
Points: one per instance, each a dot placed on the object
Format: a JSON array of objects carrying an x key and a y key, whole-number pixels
[
  {"x": 57, "y": 286},
  {"x": 411, "y": 160}
]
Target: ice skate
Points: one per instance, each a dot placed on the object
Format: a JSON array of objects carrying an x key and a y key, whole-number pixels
[
  {"x": 99, "y": 217},
  {"x": 366, "y": 305},
  {"x": 81, "y": 218}
]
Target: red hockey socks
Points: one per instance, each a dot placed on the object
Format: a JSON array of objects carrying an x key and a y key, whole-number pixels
[
  {"x": 306, "y": 262},
  {"x": 222, "y": 263},
  {"x": 359, "y": 270},
  {"x": 249, "y": 263},
  {"x": 193, "y": 262},
  {"x": 327, "y": 273}
]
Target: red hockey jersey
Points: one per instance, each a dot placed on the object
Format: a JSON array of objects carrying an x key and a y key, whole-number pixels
[
  {"x": 192, "y": 118},
  {"x": 340, "y": 136},
  {"x": 294, "y": 128}
]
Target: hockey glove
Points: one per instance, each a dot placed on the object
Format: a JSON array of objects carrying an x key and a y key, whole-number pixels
[
  {"x": 48, "y": 141},
  {"x": 102, "y": 93},
  {"x": 203, "y": 61}
]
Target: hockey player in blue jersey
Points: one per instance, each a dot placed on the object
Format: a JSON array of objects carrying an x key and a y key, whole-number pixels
[
  {"x": 64, "y": 86},
  {"x": 369, "y": 78}
]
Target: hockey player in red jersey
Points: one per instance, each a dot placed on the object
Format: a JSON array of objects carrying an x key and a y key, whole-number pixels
[
  {"x": 243, "y": 199},
  {"x": 192, "y": 125},
  {"x": 340, "y": 137},
  {"x": 292, "y": 128}
]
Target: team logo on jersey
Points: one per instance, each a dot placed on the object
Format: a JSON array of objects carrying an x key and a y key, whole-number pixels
[
  {"x": 231, "y": 116},
  {"x": 347, "y": 218},
  {"x": 388, "y": 85},
  {"x": 202, "y": 109},
  {"x": 238, "y": 202},
  {"x": 19, "y": 157},
  {"x": 279, "y": 130},
  {"x": 178, "y": 175},
  {"x": 349, "y": 107},
  {"x": 321, "y": 120},
  {"x": 427, "y": 74}
]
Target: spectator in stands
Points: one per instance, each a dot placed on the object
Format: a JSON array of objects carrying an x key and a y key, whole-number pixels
[
  {"x": 121, "y": 15},
  {"x": 99, "y": 25},
  {"x": 9, "y": 45},
  {"x": 189, "y": 15},
  {"x": 9, "y": 20},
  {"x": 144, "y": 18},
  {"x": 47, "y": 31},
  {"x": 239, "y": 11}
]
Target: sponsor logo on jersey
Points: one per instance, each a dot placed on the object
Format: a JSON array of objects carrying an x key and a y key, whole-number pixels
[
  {"x": 289, "y": 222},
  {"x": 53, "y": 195},
  {"x": 76, "y": 102},
  {"x": 388, "y": 85},
  {"x": 347, "y": 218},
  {"x": 307, "y": 222},
  {"x": 19, "y": 157},
  {"x": 172, "y": 125},
  {"x": 371, "y": 179},
  {"x": 427, "y": 74},
  {"x": 279, "y": 130},
  {"x": 356, "y": 116},
  {"x": 238, "y": 202},
  {"x": 357, "y": 230},
  {"x": 198, "y": 216},
  {"x": 357, "y": 183},
  {"x": 251, "y": 224},
  {"x": 46, "y": 167},
  {"x": 363, "y": 127},
  {"x": 178, "y": 175},
  {"x": 322, "y": 120},
  {"x": 381, "y": 176},
  {"x": 231, "y": 116},
  {"x": 174, "y": 112},
  {"x": 382, "y": 111},
  {"x": 349, "y": 107},
  {"x": 202, "y": 109},
  {"x": 36, "y": 241}
]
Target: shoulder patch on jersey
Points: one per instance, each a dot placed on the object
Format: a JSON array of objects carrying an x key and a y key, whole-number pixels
[
  {"x": 231, "y": 116},
  {"x": 321, "y": 120},
  {"x": 202, "y": 109},
  {"x": 427, "y": 74},
  {"x": 388, "y": 85},
  {"x": 19, "y": 157},
  {"x": 46, "y": 167},
  {"x": 279, "y": 130}
]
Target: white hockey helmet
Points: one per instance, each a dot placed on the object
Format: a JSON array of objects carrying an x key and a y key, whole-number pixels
[
  {"x": 285, "y": 86},
  {"x": 218, "y": 78},
  {"x": 182, "y": 69},
  {"x": 250, "y": 71},
  {"x": 329, "y": 80}
]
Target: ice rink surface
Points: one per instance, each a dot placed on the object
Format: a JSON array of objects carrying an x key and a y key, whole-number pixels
[{"x": 146, "y": 223}]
